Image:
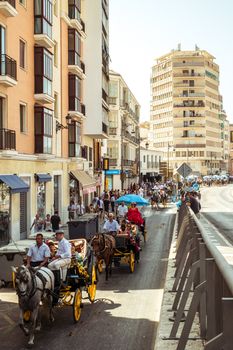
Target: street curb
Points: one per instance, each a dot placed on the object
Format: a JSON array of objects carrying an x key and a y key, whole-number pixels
[{"x": 164, "y": 327}]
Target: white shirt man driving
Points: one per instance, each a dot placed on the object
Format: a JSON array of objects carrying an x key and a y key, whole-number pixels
[{"x": 111, "y": 225}]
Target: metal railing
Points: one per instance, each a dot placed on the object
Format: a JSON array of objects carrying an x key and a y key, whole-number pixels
[
  {"x": 204, "y": 282},
  {"x": 7, "y": 139},
  {"x": 8, "y": 66}
]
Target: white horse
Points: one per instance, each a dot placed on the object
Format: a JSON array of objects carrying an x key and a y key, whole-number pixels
[{"x": 32, "y": 287}]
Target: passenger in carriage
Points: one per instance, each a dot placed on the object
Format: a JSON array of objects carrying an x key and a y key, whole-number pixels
[{"x": 38, "y": 253}]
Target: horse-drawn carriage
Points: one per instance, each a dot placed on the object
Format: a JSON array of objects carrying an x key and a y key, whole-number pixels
[{"x": 34, "y": 286}]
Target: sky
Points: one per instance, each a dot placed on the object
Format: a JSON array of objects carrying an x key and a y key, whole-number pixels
[{"x": 141, "y": 31}]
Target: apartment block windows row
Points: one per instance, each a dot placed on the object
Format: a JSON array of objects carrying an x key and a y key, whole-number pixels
[
  {"x": 43, "y": 12},
  {"x": 74, "y": 137},
  {"x": 74, "y": 47},
  {"x": 43, "y": 71},
  {"x": 75, "y": 93},
  {"x": 43, "y": 130}
]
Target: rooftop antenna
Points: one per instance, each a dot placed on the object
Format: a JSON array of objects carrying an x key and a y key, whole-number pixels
[{"x": 179, "y": 46}]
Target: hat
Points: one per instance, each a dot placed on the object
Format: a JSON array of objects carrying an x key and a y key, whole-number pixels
[
  {"x": 50, "y": 242},
  {"x": 59, "y": 232}
]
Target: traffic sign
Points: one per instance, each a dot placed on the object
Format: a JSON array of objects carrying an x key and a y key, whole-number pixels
[{"x": 184, "y": 170}]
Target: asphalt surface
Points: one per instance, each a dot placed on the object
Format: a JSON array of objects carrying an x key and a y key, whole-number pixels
[
  {"x": 217, "y": 207},
  {"x": 125, "y": 314}
]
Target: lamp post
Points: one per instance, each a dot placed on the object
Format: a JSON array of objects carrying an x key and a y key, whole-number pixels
[{"x": 60, "y": 126}]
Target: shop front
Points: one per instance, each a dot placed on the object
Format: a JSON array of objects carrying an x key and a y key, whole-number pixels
[
  {"x": 42, "y": 179},
  {"x": 11, "y": 186},
  {"x": 83, "y": 187}
]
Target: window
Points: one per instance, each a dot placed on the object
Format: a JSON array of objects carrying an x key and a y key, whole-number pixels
[
  {"x": 74, "y": 93},
  {"x": 22, "y": 54},
  {"x": 43, "y": 13},
  {"x": 75, "y": 9},
  {"x": 43, "y": 71},
  {"x": 22, "y": 2},
  {"x": 90, "y": 154},
  {"x": 231, "y": 136},
  {"x": 22, "y": 112},
  {"x": 74, "y": 139},
  {"x": 74, "y": 47},
  {"x": 43, "y": 130}
]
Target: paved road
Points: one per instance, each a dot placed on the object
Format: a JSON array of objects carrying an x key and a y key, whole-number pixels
[
  {"x": 217, "y": 207},
  {"x": 126, "y": 312}
]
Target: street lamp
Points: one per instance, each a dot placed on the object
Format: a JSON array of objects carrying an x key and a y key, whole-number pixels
[{"x": 60, "y": 126}]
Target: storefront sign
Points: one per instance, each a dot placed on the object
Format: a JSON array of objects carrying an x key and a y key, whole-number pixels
[{"x": 112, "y": 172}]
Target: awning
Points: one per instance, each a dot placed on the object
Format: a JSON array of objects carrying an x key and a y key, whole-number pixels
[
  {"x": 86, "y": 180},
  {"x": 15, "y": 183},
  {"x": 43, "y": 177}
]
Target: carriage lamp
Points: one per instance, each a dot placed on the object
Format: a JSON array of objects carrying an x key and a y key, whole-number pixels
[{"x": 60, "y": 126}]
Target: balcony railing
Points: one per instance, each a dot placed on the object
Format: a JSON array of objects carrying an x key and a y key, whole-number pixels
[
  {"x": 130, "y": 137},
  {"x": 188, "y": 63},
  {"x": 201, "y": 94},
  {"x": 8, "y": 66},
  {"x": 188, "y": 75},
  {"x": 112, "y": 100},
  {"x": 112, "y": 131},
  {"x": 112, "y": 161},
  {"x": 127, "y": 162},
  {"x": 11, "y": 2},
  {"x": 178, "y": 105},
  {"x": 7, "y": 139}
]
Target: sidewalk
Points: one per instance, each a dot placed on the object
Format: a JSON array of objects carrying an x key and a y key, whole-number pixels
[{"x": 165, "y": 326}]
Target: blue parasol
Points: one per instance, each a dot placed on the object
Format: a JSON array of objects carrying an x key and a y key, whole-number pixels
[{"x": 129, "y": 198}]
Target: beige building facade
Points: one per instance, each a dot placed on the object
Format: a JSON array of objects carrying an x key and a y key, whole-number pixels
[
  {"x": 123, "y": 142},
  {"x": 186, "y": 112},
  {"x": 46, "y": 159}
]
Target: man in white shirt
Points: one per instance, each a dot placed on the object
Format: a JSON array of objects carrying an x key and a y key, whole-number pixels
[
  {"x": 63, "y": 255},
  {"x": 39, "y": 253},
  {"x": 111, "y": 226},
  {"x": 80, "y": 208},
  {"x": 122, "y": 211}
]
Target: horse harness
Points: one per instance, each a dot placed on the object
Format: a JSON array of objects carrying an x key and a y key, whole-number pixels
[{"x": 34, "y": 288}]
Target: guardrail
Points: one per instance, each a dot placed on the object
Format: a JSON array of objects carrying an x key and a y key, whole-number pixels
[{"x": 204, "y": 276}]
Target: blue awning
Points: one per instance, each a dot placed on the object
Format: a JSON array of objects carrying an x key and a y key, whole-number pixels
[
  {"x": 15, "y": 183},
  {"x": 43, "y": 177}
]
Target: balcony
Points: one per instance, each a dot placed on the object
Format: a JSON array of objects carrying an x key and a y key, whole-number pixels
[
  {"x": 112, "y": 100},
  {"x": 201, "y": 94},
  {"x": 188, "y": 63},
  {"x": 8, "y": 71},
  {"x": 112, "y": 131},
  {"x": 191, "y": 104},
  {"x": 76, "y": 108},
  {"x": 75, "y": 65},
  {"x": 74, "y": 16},
  {"x": 130, "y": 137},
  {"x": 112, "y": 162},
  {"x": 7, "y": 8},
  {"x": 7, "y": 139},
  {"x": 43, "y": 24}
]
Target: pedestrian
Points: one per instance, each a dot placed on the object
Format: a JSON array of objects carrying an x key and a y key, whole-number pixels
[
  {"x": 106, "y": 203},
  {"x": 48, "y": 224},
  {"x": 122, "y": 211},
  {"x": 113, "y": 202},
  {"x": 38, "y": 253},
  {"x": 80, "y": 210},
  {"x": 72, "y": 210},
  {"x": 55, "y": 221},
  {"x": 37, "y": 223}
]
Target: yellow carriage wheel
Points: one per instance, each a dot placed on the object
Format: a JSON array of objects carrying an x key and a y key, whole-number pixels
[
  {"x": 92, "y": 287},
  {"x": 77, "y": 305},
  {"x": 131, "y": 262},
  {"x": 100, "y": 265},
  {"x": 27, "y": 315}
]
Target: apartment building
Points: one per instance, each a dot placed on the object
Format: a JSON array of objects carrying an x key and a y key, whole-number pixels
[
  {"x": 231, "y": 149},
  {"x": 123, "y": 142},
  {"x": 46, "y": 160},
  {"x": 186, "y": 111}
]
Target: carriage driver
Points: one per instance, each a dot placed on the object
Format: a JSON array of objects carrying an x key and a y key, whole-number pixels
[
  {"x": 39, "y": 253},
  {"x": 111, "y": 226},
  {"x": 62, "y": 258}
]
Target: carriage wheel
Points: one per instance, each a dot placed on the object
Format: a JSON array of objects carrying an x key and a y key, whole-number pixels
[
  {"x": 131, "y": 262},
  {"x": 77, "y": 305},
  {"x": 92, "y": 287},
  {"x": 100, "y": 266}
]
